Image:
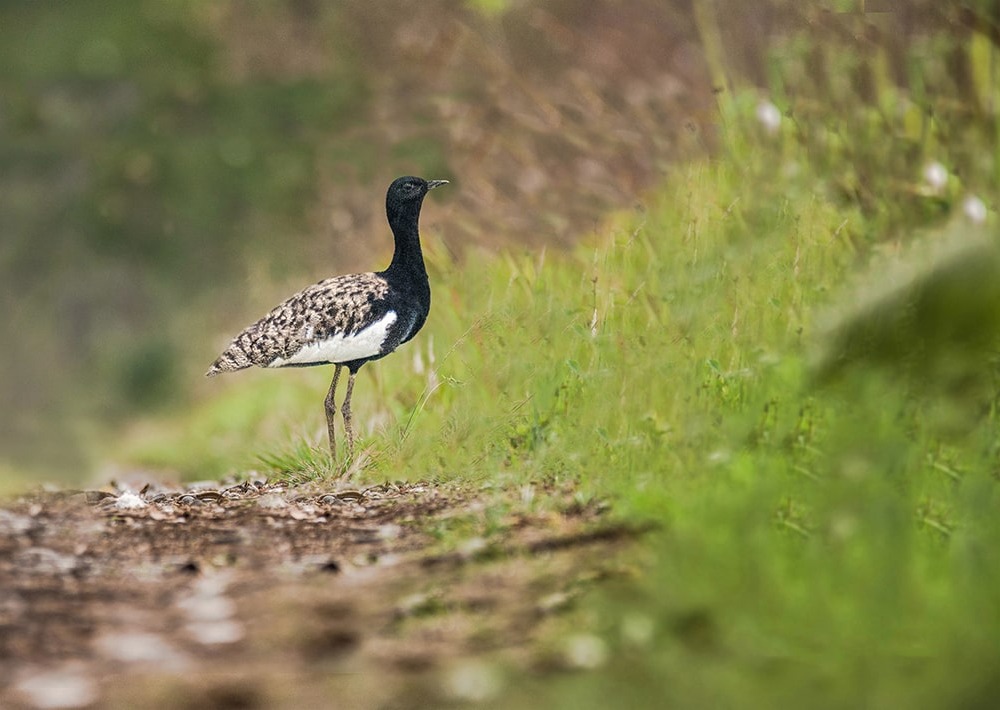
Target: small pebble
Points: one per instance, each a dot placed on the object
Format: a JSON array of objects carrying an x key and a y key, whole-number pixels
[
  {"x": 331, "y": 566},
  {"x": 141, "y": 647},
  {"x": 207, "y": 607},
  {"x": 215, "y": 633},
  {"x": 14, "y": 524},
  {"x": 389, "y": 531},
  {"x": 66, "y": 687},
  {"x": 272, "y": 501},
  {"x": 129, "y": 501}
]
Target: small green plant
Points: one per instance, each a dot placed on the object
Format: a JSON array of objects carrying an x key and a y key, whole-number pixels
[{"x": 300, "y": 463}]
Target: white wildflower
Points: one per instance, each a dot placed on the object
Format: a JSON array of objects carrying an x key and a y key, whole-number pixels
[
  {"x": 586, "y": 651},
  {"x": 769, "y": 117},
  {"x": 935, "y": 177},
  {"x": 974, "y": 209}
]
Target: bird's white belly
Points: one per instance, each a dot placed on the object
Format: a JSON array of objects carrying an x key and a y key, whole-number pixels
[{"x": 342, "y": 348}]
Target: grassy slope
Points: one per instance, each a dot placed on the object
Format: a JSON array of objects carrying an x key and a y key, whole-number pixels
[{"x": 827, "y": 545}]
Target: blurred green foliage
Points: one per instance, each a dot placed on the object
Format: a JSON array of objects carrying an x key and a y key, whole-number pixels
[
  {"x": 139, "y": 178},
  {"x": 828, "y": 538},
  {"x": 171, "y": 169}
]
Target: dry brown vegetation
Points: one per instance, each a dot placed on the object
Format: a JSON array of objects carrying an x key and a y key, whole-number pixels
[{"x": 544, "y": 118}]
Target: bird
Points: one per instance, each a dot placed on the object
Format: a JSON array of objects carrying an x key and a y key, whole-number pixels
[{"x": 347, "y": 320}]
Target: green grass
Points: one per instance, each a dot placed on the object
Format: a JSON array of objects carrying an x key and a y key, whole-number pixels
[{"x": 829, "y": 536}]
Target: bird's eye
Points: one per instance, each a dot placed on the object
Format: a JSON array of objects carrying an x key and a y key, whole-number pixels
[{"x": 410, "y": 186}]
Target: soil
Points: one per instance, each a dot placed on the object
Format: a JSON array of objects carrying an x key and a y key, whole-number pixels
[{"x": 261, "y": 594}]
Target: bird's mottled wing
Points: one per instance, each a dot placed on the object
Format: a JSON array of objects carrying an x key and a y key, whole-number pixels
[{"x": 340, "y": 305}]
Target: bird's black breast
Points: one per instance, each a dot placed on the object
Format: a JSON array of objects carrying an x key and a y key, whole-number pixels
[{"x": 411, "y": 309}]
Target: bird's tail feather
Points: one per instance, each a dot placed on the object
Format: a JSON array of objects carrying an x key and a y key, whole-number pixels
[{"x": 229, "y": 361}]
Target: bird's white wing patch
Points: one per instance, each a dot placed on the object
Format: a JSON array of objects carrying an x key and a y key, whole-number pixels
[{"x": 342, "y": 348}]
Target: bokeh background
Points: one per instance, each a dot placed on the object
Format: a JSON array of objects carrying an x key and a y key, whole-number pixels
[
  {"x": 728, "y": 269},
  {"x": 170, "y": 169}
]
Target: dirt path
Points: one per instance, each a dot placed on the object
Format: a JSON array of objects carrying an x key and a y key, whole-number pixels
[{"x": 253, "y": 595}]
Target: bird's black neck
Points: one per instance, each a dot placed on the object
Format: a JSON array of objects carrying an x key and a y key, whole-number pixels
[{"x": 407, "y": 259}]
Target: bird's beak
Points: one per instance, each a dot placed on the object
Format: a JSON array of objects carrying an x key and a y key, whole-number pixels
[{"x": 431, "y": 184}]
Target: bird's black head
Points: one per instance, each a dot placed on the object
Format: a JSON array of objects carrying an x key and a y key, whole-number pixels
[
  {"x": 405, "y": 195},
  {"x": 409, "y": 188}
]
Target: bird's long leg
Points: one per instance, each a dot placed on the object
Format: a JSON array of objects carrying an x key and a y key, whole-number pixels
[
  {"x": 346, "y": 411},
  {"x": 331, "y": 411}
]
